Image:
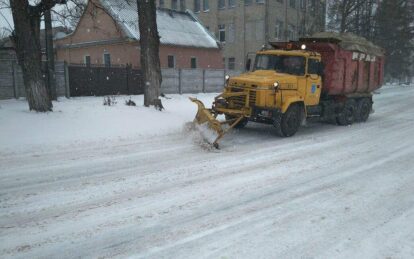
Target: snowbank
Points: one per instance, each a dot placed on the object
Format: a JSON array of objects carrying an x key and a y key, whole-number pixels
[{"x": 86, "y": 119}]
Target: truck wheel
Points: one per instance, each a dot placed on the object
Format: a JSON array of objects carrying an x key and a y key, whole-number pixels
[
  {"x": 364, "y": 107},
  {"x": 288, "y": 123},
  {"x": 241, "y": 123},
  {"x": 347, "y": 115}
]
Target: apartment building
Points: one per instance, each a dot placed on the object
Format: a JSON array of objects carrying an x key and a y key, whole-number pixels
[{"x": 244, "y": 26}]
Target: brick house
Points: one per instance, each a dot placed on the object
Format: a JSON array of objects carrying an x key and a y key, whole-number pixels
[{"x": 108, "y": 34}]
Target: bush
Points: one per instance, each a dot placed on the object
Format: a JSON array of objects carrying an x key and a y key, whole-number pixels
[
  {"x": 109, "y": 100},
  {"x": 130, "y": 103}
]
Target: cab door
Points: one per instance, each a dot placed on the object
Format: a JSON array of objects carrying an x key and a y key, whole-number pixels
[{"x": 313, "y": 82}]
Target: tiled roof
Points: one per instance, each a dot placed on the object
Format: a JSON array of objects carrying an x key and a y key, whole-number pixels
[{"x": 174, "y": 27}]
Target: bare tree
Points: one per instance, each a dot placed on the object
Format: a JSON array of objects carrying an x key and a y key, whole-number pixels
[
  {"x": 4, "y": 33},
  {"x": 341, "y": 14},
  {"x": 26, "y": 36},
  {"x": 150, "y": 60},
  {"x": 70, "y": 13}
]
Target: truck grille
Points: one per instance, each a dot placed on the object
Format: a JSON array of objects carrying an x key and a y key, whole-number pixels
[{"x": 239, "y": 101}]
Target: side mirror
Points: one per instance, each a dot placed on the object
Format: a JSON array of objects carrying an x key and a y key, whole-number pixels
[{"x": 248, "y": 62}]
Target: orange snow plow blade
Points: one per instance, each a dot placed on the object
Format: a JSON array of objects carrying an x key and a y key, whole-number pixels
[{"x": 207, "y": 124}]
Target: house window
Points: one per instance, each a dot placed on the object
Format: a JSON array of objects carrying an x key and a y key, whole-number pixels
[
  {"x": 161, "y": 3},
  {"x": 182, "y": 5},
  {"x": 260, "y": 1},
  {"x": 232, "y": 3},
  {"x": 171, "y": 61},
  {"x": 292, "y": 3},
  {"x": 247, "y": 2},
  {"x": 206, "y": 6},
  {"x": 87, "y": 60},
  {"x": 259, "y": 30},
  {"x": 279, "y": 30},
  {"x": 193, "y": 62},
  {"x": 174, "y": 4},
  {"x": 231, "y": 33},
  {"x": 196, "y": 6},
  {"x": 249, "y": 30},
  {"x": 222, "y": 32},
  {"x": 231, "y": 63},
  {"x": 221, "y": 4},
  {"x": 107, "y": 59},
  {"x": 302, "y": 31},
  {"x": 291, "y": 31}
]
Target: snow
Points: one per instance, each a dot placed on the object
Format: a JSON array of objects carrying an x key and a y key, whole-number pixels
[
  {"x": 174, "y": 27},
  {"x": 86, "y": 119},
  {"x": 95, "y": 181}
]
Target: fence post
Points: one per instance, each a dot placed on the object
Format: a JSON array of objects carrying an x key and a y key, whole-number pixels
[
  {"x": 204, "y": 81},
  {"x": 14, "y": 76},
  {"x": 179, "y": 82},
  {"x": 66, "y": 75}
]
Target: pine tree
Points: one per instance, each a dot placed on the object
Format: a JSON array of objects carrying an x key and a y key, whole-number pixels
[{"x": 394, "y": 32}]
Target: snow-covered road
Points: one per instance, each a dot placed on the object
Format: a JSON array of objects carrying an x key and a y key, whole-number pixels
[{"x": 328, "y": 192}]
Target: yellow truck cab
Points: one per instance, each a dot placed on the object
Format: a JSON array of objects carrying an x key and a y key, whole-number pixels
[{"x": 281, "y": 82}]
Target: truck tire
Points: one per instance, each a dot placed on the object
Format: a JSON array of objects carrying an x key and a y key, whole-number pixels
[
  {"x": 241, "y": 123},
  {"x": 287, "y": 124},
  {"x": 364, "y": 107},
  {"x": 347, "y": 114}
]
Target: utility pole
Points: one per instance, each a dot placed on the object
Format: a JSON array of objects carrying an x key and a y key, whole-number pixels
[{"x": 50, "y": 56}]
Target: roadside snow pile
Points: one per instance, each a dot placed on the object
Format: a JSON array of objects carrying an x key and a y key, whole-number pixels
[
  {"x": 397, "y": 85},
  {"x": 86, "y": 119}
]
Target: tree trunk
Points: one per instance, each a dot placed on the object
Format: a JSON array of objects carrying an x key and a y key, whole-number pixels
[
  {"x": 50, "y": 56},
  {"x": 150, "y": 60},
  {"x": 26, "y": 37}
]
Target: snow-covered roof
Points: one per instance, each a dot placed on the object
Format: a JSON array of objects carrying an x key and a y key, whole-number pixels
[{"x": 174, "y": 27}]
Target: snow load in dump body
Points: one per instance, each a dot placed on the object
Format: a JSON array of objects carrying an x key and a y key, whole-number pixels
[
  {"x": 353, "y": 65},
  {"x": 174, "y": 27}
]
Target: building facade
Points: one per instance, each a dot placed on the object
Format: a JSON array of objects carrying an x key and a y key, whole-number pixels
[
  {"x": 244, "y": 26},
  {"x": 108, "y": 34}
]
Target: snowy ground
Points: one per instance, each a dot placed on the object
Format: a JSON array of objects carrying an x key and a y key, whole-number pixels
[{"x": 95, "y": 181}]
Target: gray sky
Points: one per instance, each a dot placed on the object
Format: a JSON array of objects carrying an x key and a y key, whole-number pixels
[{"x": 6, "y": 18}]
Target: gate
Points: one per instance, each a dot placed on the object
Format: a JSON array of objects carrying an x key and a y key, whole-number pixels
[{"x": 100, "y": 81}]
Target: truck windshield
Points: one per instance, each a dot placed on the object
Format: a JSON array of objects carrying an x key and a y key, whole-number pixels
[{"x": 294, "y": 65}]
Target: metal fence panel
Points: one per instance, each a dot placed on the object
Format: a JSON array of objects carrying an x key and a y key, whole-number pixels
[
  {"x": 213, "y": 81},
  {"x": 100, "y": 81},
  {"x": 191, "y": 81},
  {"x": 170, "y": 81}
]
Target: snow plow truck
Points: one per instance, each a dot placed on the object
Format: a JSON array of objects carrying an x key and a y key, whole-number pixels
[{"x": 328, "y": 76}]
